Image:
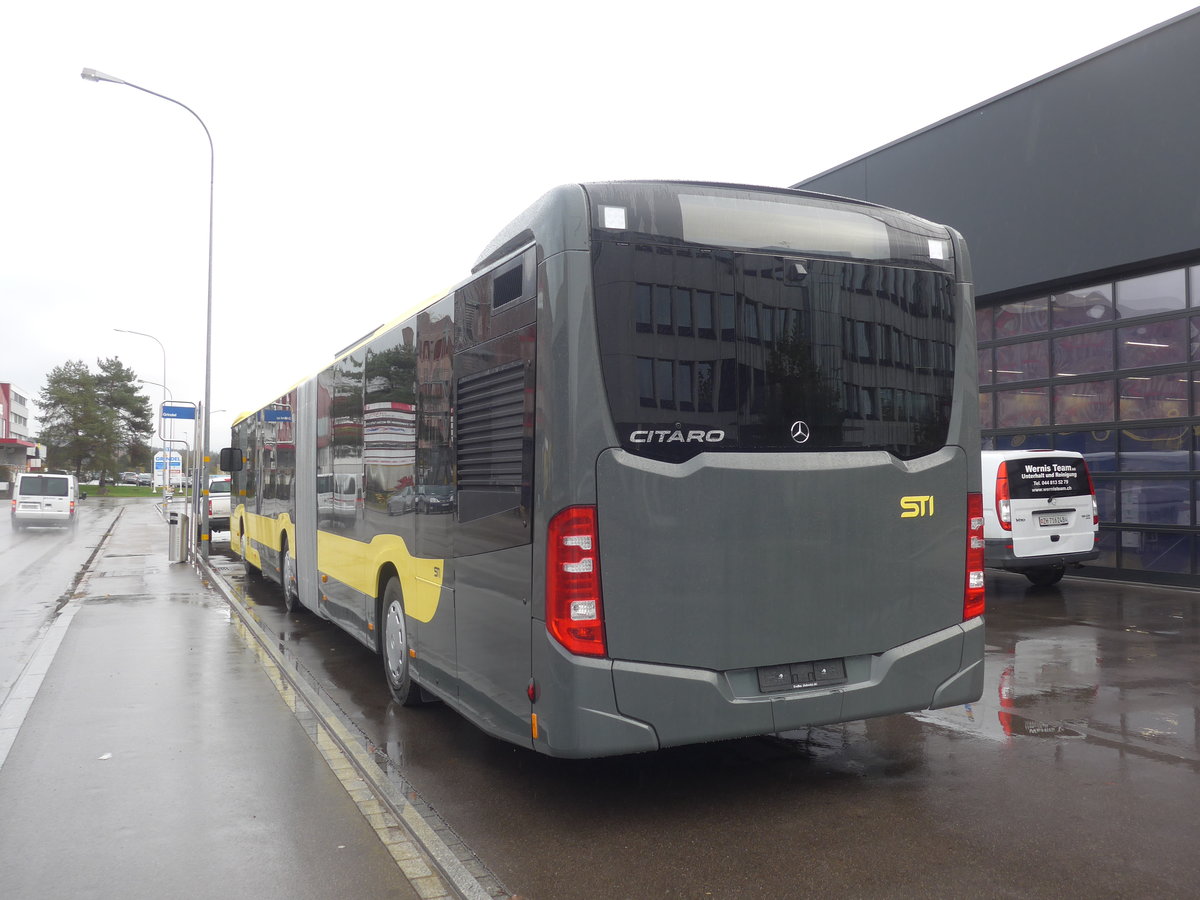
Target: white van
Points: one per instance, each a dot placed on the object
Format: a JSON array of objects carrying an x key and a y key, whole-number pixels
[
  {"x": 39, "y": 499},
  {"x": 1039, "y": 512}
]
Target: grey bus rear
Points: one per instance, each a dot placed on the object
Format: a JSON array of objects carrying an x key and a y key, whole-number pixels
[
  {"x": 679, "y": 462},
  {"x": 767, "y": 401}
]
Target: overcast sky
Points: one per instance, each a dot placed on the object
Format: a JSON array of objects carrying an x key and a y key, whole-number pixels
[{"x": 366, "y": 151}]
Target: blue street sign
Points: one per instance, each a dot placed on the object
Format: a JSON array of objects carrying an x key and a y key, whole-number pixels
[{"x": 178, "y": 412}]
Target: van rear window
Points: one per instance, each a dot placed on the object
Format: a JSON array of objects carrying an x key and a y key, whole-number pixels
[
  {"x": 43, "y": 486},
  {"x": 1046, "y": 476}
]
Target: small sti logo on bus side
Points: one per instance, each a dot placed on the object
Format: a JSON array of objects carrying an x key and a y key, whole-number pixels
[{"x": 914, "y": 507}]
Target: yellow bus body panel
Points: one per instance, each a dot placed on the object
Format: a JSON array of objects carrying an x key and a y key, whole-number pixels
[{"x": 358, "y": 565}]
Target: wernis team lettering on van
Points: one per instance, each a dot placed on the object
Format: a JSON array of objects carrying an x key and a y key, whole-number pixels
[{"x": 1055, "y": 469}]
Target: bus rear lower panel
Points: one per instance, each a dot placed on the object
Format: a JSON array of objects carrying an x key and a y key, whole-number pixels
[
  {"x": 689, "y": 705},
  {"x": 602, "y": 707}
]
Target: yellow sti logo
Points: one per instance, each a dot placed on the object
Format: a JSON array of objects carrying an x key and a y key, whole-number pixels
[{"x": 912, "y": 507}]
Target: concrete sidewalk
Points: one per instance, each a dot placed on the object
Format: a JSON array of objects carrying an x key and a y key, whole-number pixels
[{"x": 158, "y": 760}]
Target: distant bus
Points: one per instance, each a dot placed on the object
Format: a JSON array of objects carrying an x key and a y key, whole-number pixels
[{"x": 679, "y": 462}]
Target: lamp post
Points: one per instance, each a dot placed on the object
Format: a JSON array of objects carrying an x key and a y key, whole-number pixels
[
  {"x": 161, "y": 430},
  {"x": 93, "y": 75}
]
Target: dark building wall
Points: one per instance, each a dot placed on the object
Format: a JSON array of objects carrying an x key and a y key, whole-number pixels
[{"x": 1088, "y": 169}]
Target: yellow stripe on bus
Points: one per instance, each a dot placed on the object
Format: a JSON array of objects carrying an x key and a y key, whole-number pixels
[
  {"x": 357, "y": 564},
  {"x": 352, "y": 562}
]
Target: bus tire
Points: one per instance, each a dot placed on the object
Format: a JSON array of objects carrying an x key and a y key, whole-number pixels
[
  {"x": 253, "y": 573},
  {"x": 393, "y": 646},
  {"x": 287, "y": 574},
  {"x": 1045, "y": 577}
]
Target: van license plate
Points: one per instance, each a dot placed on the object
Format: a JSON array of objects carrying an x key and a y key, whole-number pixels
[{"x": 1053, "y": 520}]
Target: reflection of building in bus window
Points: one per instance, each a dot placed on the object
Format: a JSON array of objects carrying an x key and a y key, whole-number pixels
[
  {"x": 324, "y": 497},
  {"x": 403, "y": 501},
  {"x": 345, "y": 497}
]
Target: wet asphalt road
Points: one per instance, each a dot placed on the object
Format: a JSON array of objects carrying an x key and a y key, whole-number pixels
[
  {"x": 1076, "y": 775},
  {"x": 38, "y": 568}
]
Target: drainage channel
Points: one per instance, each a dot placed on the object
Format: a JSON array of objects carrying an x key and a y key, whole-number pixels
[{"x": 411, "y": 829}]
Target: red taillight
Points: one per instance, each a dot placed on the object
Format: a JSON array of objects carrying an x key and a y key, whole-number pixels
[
  {"x": 1092, "y": 491},
  {"x": 1003, "y": 500},
  {"x": 973, "y": 601},
  {"x": 574, "y": 615}
]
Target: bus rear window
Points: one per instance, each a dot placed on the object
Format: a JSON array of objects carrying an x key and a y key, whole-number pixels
[{"x": 709, "y": 350}]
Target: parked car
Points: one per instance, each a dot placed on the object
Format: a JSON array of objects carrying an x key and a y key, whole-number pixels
[
  {"x": 219, "y": 497},
  {"x": 145, "y": 479},
  {"x": 44, "y": 500},
  {"x": 127, "y": 478}
]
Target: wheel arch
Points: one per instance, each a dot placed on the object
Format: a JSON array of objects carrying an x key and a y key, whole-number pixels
[{"x": 387, "y": 572}]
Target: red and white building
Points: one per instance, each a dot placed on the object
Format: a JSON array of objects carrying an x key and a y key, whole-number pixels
[{"x": 18, "y": 450}]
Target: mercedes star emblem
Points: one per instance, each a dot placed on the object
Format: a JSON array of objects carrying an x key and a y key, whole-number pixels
[{"x": 800, "y": 432}]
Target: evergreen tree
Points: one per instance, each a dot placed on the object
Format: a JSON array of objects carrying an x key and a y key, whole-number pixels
[
  {"x": 117, "y": 389},
  {"x": 88, "y": 419}
]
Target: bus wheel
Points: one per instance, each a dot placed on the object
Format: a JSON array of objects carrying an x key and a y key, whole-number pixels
[
  {"x": 394, "y": 647},
  {"x": 253, "y": 573},
  {"x": 291, "y": 595},
  {"x": 1045, "y": 577}
]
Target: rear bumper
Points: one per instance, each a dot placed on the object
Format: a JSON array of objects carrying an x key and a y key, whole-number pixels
[
  {"x": 42, "y": 517},
  {"x": 653, "y": 706},
  {"x": 999, "y": 555}
]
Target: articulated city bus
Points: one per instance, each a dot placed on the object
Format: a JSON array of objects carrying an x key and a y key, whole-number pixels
[{"x": 678, "y": 462}]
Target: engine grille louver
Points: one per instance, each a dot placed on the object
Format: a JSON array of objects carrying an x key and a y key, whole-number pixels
[{"x": 491, "y": 428}]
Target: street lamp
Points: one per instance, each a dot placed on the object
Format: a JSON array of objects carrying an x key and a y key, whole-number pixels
[
  {"x": 93, "y": 75},
  {"x": 161, "y": 423}
]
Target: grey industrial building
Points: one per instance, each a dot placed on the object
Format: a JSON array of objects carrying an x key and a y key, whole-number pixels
[{"x": 1079, "y": 196}]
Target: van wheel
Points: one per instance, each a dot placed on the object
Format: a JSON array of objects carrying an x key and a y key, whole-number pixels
[
  {"x": 393, "y": 647},
  {"x": 1045, "y": 577}
]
